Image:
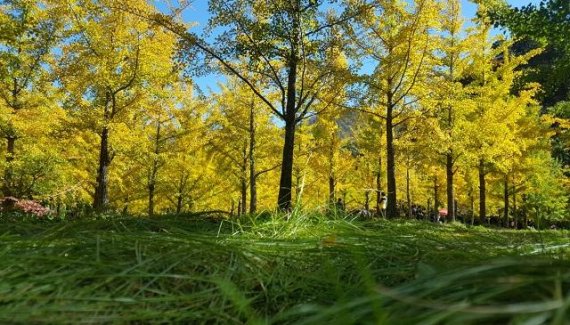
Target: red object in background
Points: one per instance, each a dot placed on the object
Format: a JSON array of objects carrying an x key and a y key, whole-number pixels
[{"x": 442, "y": 212}]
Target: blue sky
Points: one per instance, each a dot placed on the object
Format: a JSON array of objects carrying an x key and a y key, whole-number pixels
[{"x": 198, "y": 13}]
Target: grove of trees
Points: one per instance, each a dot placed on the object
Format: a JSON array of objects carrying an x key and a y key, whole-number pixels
[{"x": 317, "y": 101}]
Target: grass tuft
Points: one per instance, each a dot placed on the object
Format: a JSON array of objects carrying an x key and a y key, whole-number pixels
[{"x": 302, "y": 268}]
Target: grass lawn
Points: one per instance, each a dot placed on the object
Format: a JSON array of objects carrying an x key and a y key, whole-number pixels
[{"x": 308, "y": 270}]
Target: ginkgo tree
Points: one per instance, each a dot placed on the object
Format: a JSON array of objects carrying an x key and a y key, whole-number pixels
[
  {"x": 29, "y": 33},
  {"x": 109, "y": 62},
  {"x": 242, "y": 140},
  {"x": 493, "y": 121},
  {"x": 400, "y": 38},
  {"x": 287, "y": 46},
  {"x": 453, "y": 103}
]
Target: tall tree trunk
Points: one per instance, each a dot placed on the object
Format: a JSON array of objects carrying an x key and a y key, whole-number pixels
[
  {"x": 151, "y": 188},
  {"x": 101, "y": 200},
  {"x": 154, "y": 171},
  {"x": 515, "y": 212},
  {"x": 472, "y": 201},
  {"x": 252, "y": 171},
  {"x": 181, "y": 188},
  {"x": 450, "y": 192},
  {"x": 506, "y": 201},
  {"x": 436, "y": 203},
  {"x": 331, "y": 189},
  {"x": 8, "y": 189},
  {"x": 332, "y": 178},
  {"x": 179, "y": 201},
  {"x": 408, "y": 193},
  {"x": 243, "y": 181},
  {"x": 391, "y": 210},
  {"x": 482, "y": 192},
  {"x": 286, "y": 181},
  {"x": 379, "y": 182}
]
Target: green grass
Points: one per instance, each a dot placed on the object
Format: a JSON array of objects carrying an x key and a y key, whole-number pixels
[{"x": 306, "y": 270}]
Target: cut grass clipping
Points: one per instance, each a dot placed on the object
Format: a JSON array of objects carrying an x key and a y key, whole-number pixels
[{"x": 308, "y": 270}]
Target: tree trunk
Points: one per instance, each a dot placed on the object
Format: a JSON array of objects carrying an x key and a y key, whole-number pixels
[
  {"x": 408, "y": 193},
  {"x": 151, "y": 188},
  {"x": 286, "y": 181},
  {"x": 102, "y": 183},
  {"x": 379, "y": 182},
  {"x": 243, "y": 181},
  {"x": 450, "y": 192},
  {"x": 331, "y": 190},
  {"x": 252, "y": 171},
  {"x": 179, "y": 200},
  {"x": 472, "y": 201},
  {"x": 391, "y": 210},
  {"x": 9, "y": 172},
  {"x": 515, "y": 211},
  {"x": 153, "y": 172},
  {"x": 482, "y": 192},
  {"x": 243, "y": 201},
  {"x": 436, "y": 203},
  {"x": 506, "y": 202}
]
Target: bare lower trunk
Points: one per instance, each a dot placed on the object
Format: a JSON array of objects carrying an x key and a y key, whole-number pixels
[
  {"x": 506, "y": 202},
  {"x": 152, "y": 187},
  {"x": 450, "y": 192},
  {"x": 151, "y": 199},
  {"x": 285, "y": 183},
  {"x": 408, "y": 193},
  {"x": 379, "y": 183},
  {"x": 436, "y": 203},
  {"x": 482, "y": 193},
  {"x": 391, "y": 211},
  {"x": 101, "y": 200},
  {"x": 472, "y": 201},
  {"x": 515, "y": 212},
  {"x": 331, "y": 189},
  {"x": 179, "y": 201},
  {"x": 9, "y": 173},
  {"x": 252, "y": 171},
  {"x": 243, "y": 181},
  {"x": 153, "y": 172}
]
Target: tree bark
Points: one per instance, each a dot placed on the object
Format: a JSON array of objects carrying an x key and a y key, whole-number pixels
[
  {"x": 101, "y": 200},
  {"x": 379, "y": 182},
  {"x": 151, "y": 188},
  {"x": 243, "y": 181},
  {"x": 331, "y": 190},
  {"x": 482, "y": 192},
  {"x": 436, "y": 202},
  {"x": 472, "y": 202},
  {"x": 506, "y": 201},
  {"x": 408, "y": 193},
  {"x": 332, "y": 178},
  {"x": 8, "y": 189},
  {"x": 252, "y": 171},
  {"x": 391, "y": 210},
  {"x": 450, "y": 192},
  {"x": 153, "y": 172},
  {"x": 286, "y": 181}
]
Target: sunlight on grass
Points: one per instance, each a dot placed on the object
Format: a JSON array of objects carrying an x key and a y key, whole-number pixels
[{"x": 304, "y": 269}]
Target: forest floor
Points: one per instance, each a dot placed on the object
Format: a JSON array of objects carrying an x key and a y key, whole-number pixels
[{"x": 310, "y": 269}]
